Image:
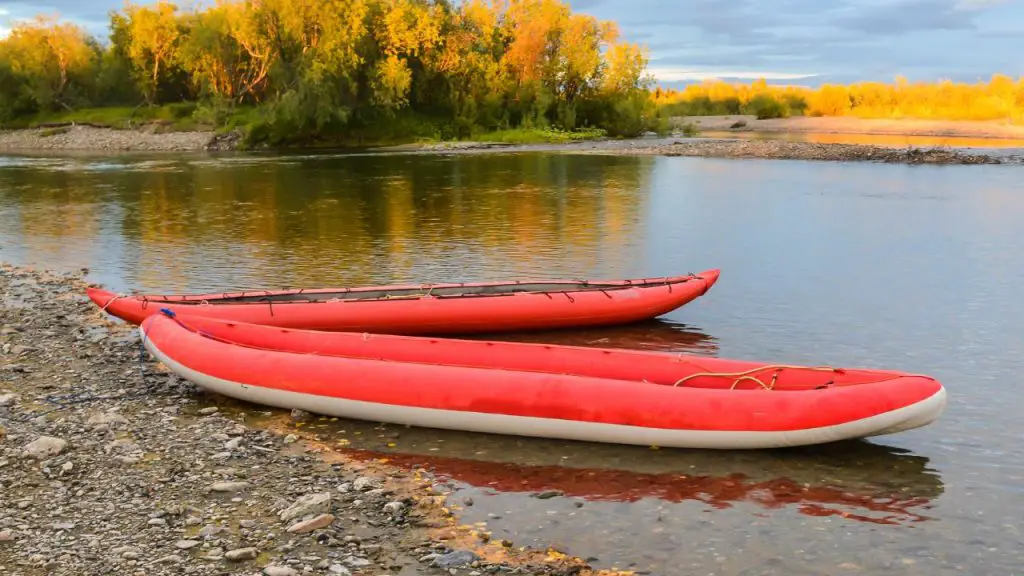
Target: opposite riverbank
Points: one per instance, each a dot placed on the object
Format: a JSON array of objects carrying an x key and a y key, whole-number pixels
[
  {"x": 990, "y": 129},
  {"x": 107, "y": 140},
  {"x": 109, "y": 464}
]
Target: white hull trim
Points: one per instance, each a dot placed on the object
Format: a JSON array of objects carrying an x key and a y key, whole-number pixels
[{"x": 906, "y": 418}]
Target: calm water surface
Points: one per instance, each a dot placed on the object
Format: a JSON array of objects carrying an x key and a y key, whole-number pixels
[{"x": 914, "y": 268}]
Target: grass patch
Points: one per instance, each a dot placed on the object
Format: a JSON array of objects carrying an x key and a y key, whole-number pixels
[
  {"x": 689, "y": 129},
  {"x": 179, "y": 117},
  {"x": 54, "y": 131},
  {"x": 540, "y": 135}
]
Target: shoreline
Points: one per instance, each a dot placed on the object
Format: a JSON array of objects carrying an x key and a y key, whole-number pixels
[
  {"x": 979, "y": 129},
  {"x": 104, "y": 141},
  {"x": 111, "y": 464}
]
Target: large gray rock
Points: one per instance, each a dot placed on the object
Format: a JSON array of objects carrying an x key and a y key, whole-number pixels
[
  {"x": 309, "y": 504},
  {"x": 44, "y": 447}
]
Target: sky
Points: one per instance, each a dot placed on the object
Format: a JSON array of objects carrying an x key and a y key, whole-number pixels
[{"x": 807, "y": 42}]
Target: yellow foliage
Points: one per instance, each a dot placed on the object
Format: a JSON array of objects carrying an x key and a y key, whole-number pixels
[
  {"x": 1001, "y": 98},
  {"x": 49, "y": 52}
]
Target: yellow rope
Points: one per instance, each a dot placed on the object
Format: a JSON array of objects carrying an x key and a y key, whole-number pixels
[
  {"x": 746, "y": 374},
  {"x": 111, "y": 301}
]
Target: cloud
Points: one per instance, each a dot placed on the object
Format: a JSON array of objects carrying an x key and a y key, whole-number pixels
[
  {"x": 669, "y": 74},
  {"x": 905, "y": 16},
  {"x": 978, "y": 4},
  {"x": 584, "y": 4}
]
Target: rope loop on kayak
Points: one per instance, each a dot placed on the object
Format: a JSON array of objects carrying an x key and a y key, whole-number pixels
[
  {"x": 746, "y": 374},
  {"x": 112, "y": 299}
]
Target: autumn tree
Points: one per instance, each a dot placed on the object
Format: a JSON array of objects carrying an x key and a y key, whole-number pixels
[
  {"x": 316, "y": 68},
  {"x": 153, "y": 39},
  {"x": 54, "y": 62}
]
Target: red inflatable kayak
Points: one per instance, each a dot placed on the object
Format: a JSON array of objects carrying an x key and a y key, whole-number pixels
[
  {"x": 432, "y": 309},
  {"x": 576, "y": 393}
]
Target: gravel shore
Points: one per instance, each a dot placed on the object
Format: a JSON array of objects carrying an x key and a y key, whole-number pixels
[
  {"x": 81, "y": 137},
  {"x": 88, "y": 138},
  {"x": 111, "y": 465},
  {"x": 784, "y": 150},
  {"x": 733, "y": 148}
]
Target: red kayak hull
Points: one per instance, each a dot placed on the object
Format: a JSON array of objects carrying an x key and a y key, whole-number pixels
[
  {"x": 576, "y": 393},
  {"x": 435, "y": 309}
]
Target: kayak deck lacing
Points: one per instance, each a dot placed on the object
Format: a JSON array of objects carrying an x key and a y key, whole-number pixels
[{"x": 746, "y": 374}]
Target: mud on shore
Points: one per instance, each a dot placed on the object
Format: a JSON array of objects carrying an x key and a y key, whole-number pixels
[{"x": 111, "y": 465}]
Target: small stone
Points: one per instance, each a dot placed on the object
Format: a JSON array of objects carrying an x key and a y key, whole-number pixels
[
  {"x": 247, "y": 523},
  {"x": 44, "y": 447},
  {"x": 8, "y": 399},
  {"x": 208, "y": 411},
  {"x": 64, "y": 526},
  {"x": 210, "y": 531},
  {"x": 229, "y": 486},
  {"x": 67, "y": 467},
  {"x": 186, "y": 544},
  {"x": 21, "y": 350},
  {"x": 455, "y": 559},
  {"x": 357, "y": 562},
  {"x": 157, "y": 522},
  {"x": 241, "y": 554},
  {"x": 339, "y": 569},
  {"x": 109, "y": 419},
  {"x": 321, "y": 521},
  {"x": 394, "y": 507},
  {"x": 279, "y": 571},
  {"x": 300, "y": 415},
  {"x": 233, "y": 443},
  {"x": 364, "y": 483},
  {"x": 291, "y": 439},
  {"x": 6, "y": 536},
  {"x": 319, "y": 503},
  {"x": 548, "y": 494}
]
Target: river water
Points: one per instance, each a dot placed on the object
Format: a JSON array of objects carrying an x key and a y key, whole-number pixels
[{"x": 914, "y": 268}]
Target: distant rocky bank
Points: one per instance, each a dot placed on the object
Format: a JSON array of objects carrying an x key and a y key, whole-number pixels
[
  {"x": 739, "y": 148},
  {"x": 86, "y": 137},
  {"x": 98, "y": 139}
]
